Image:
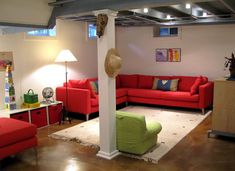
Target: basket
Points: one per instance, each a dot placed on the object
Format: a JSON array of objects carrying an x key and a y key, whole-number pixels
[{"x": 30, "y": 97}]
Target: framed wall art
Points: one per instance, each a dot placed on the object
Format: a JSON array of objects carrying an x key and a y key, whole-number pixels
[
  {"x": 174, "y": 54},
  {"x": 161, "y": 55},
  {"x": 6, "y": 58}
]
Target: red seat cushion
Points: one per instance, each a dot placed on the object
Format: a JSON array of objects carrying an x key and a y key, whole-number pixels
[
  {"x": 120, "y": 92},
  {"x": 145, "y": 93},
  {"x": 12, "y": 131},
  {"x": 179, "y": 96},
  {"x": 129, "y": 81},
  {"x": 166, "y": 95},
  {"x": 145, "y": 81}
]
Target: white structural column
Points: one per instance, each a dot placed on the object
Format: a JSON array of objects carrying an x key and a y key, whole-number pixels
[{"x": 107, "y": 91}]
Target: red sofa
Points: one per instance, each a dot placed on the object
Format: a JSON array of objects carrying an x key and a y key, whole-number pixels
[{"x": 191, "y": 93}]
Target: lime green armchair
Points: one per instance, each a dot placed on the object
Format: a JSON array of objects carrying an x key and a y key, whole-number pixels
[{"x": 134, "y": 135}]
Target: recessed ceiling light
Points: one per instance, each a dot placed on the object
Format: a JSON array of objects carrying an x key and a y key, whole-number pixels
[
  {"x": 146, "y": 10},
  {"x": 168, "y": 17},
  {"x": 187, "y": 5},
  {"x": 204, "y": 14}
]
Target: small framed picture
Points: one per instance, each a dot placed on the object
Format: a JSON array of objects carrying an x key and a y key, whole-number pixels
[
  {"x": 174, "y": 54},
  {"x": 6, "y": 58},
  {"x": 161, "y": 55}
]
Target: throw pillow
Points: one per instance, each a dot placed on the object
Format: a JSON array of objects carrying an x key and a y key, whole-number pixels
[
  {"x": 195, "y": 87},
  {"x": 82, "y": 84},
  {"x": 166, "y": 85},
  {"x": 94, "y": 86}
]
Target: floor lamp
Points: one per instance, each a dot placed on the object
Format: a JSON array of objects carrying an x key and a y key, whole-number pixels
[{"x": 66, "y": 56}]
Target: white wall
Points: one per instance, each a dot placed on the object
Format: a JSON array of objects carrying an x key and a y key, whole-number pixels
[
  {"x": 203, "y": 49},
  {"x": 34, "y": 59}
]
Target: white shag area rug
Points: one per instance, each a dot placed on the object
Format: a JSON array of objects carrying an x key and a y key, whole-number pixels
[{"x": 176, "y": 124}]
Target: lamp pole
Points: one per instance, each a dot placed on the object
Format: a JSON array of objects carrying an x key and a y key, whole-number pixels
[
  {"x": 66, "y": 112},
  {"x": 65, "y": 56}
]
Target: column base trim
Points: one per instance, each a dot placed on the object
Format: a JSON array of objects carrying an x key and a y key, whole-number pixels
[{"x": 108, "y": 156}]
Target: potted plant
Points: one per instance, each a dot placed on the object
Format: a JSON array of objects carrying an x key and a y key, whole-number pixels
[{"x": 230, "y": 62}]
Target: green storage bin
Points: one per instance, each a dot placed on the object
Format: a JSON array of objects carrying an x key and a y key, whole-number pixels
[{"x": 30, "y": 97}]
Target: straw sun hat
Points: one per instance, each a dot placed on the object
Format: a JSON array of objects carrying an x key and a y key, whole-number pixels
[{"x": 113, "y": 63}]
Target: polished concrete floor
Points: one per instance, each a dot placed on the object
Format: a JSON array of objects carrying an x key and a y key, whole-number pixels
[{"x": 196, "y": 152}]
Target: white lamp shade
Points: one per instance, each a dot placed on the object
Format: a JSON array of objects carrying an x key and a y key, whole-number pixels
[{"x": 65, "y": 56}]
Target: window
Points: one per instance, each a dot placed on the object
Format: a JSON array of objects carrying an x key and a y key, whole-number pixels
[
  {"x": 164, "y": 31},
  {"x": 159, "y": 31},
  {"x": 43, "y": 32},
  {"x": 168, "y": 31},
  {"x": 91, "y": 31}
]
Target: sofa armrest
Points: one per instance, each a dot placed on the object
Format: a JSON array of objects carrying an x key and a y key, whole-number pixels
[
  {"x": 206, "y": 95},
  {"x": 78, "y": 99}
]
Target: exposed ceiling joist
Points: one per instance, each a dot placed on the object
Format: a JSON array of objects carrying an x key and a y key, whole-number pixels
[
  {"x": 59, "y": 3},
  {"x": 228, "y": 5},
  {"x": 131, "y": 13},
  {"x": 152, "y": 13}
]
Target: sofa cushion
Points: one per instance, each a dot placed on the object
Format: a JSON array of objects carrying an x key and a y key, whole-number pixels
[
  {"x": 145, "y": 81},
  {"x": 145, "y": 93},
  {"x": 118, "y": 82},
  {"x": 13, "y": 131},
  {"x": 185, "y": 82},
  {"x": 82, "y": 84},
  {"x": 129, "y": 81},
  {"x": 166, "y": 85},
  {"x": 120, "y": 92},
  {"x": 179, "y": 96},
  {"x": 195, "y": 87}
]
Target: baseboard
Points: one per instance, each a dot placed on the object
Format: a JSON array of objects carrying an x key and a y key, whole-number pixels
[{"x": 108, "y": 156}]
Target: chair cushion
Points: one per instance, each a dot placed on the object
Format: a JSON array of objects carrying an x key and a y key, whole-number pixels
[{"x": 13, "y": 131}]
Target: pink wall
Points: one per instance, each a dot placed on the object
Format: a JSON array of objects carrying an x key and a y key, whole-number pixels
[{"x": 203, "y": 49}]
